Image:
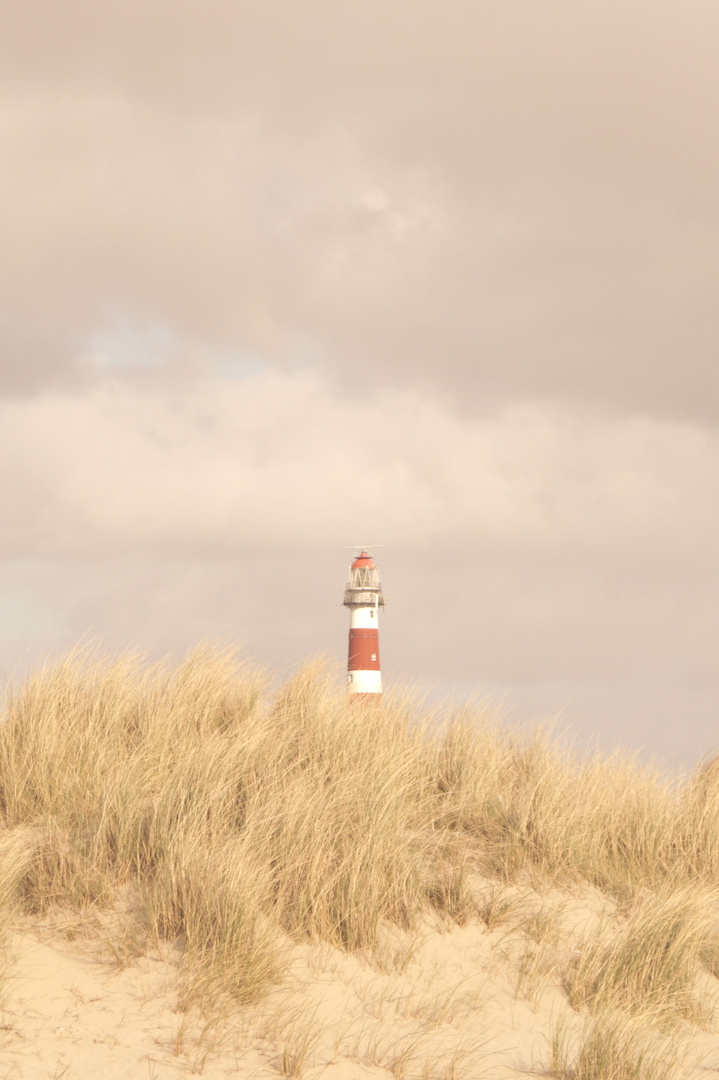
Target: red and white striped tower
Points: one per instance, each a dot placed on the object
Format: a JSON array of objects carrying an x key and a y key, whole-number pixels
[{"x": 363, "y": 596}]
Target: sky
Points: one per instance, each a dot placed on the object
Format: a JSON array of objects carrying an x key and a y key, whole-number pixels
[{"x": 280, "y": 279}]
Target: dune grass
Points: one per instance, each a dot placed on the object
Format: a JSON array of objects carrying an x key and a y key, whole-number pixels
[
  {"x": 234, "y": 818},
  {"x": 612, "y": 1046},
  {"x": 651, "y": 959},
  {"x": 15, "y": 857},
  {"x": 241, "y": 818}
]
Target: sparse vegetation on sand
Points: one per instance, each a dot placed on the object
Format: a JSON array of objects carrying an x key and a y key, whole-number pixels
[{"x": 201, "y": 809}]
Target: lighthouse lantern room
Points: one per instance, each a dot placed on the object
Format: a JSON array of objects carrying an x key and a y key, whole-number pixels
[{"x": 363, "y": 596}]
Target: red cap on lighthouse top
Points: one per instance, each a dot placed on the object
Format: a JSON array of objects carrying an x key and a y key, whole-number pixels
[{"x": 363, "y": 560}]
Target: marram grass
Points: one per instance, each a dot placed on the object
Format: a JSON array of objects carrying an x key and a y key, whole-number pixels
[
  {"x": 233, "y": 818},
  {"x": 612, "y": 1046},
  {"x": 650, "y": 958}
]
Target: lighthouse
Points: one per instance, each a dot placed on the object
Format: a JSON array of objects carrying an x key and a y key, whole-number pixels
[{"x": 363, "y": 596}]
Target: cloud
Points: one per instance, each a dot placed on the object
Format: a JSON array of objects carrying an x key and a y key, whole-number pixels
[
  {"x": 498, "y": 200},
  {"x": 278, "y": 460},
  {"x": 551, "y": 557}
]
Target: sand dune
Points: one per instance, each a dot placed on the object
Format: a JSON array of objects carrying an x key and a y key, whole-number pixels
[
  {"x": 445, "y": 1001},
  {"x": 205, "y": 872}
]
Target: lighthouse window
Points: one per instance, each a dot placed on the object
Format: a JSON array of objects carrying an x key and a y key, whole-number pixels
[
  {"x": 371, "y": 614},
  {"x": 374, "y": 655}
]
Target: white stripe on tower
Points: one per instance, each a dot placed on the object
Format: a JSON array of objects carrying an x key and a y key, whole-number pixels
[{"x": 363, "y": 596}]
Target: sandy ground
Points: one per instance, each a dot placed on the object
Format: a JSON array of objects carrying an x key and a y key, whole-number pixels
[{"x": 470, "y": 1002}]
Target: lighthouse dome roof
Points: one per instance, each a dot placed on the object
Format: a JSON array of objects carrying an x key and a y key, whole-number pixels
[{"x": 364, "y": 561}]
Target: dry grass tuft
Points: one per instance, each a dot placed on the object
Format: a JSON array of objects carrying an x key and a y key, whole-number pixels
[
  {"x": 614, "y": 1047},
  {"x": 652, "y": 958},
  {"x": 16, "y": 852},
  {"x": 243, "y": 818}
]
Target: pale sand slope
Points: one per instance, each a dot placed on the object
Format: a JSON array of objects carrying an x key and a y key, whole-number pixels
[{"x": 470, "y": 1002}]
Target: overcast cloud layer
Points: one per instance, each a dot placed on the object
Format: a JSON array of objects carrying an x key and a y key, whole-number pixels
[{"x": 278, "y": 278}]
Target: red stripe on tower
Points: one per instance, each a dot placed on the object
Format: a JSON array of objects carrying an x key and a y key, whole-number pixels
[
  {"x": 363, "y": 596},
  {"x": 364, "y": 650}
]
